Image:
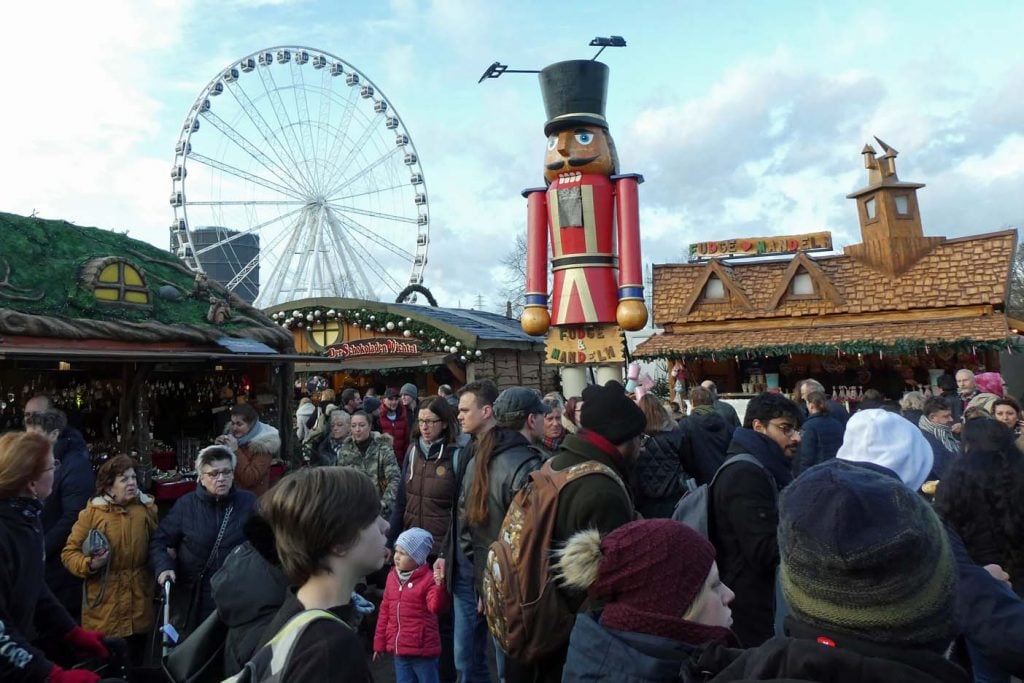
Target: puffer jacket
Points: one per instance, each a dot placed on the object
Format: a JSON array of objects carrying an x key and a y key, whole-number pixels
[
  {"x": 378, "y": 463},
  {"x": 511, "y": 463},
  {"x": 252, "y": 471},
  {"x": 127, "y": 604},
  {"x": 407, "y": 625},
  {"x": 249, "y": 590},
  {"x": 850, "y": 661},
  {"x": 707, "y": 440},
  {"x": 27, "y": 607},
  {"x": 426, "y": 493},
  {"x": 598, "y": 653},
  {"x": 820, "y": 438},
  {"x": 659, "y": 476},
  {"x": 400, "y": 429},
  {"x": 73, "y": 485},
  {"x": 191, "y": 527}
]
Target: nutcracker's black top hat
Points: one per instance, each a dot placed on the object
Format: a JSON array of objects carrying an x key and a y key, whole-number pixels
[{"x": 574, "y": 93}]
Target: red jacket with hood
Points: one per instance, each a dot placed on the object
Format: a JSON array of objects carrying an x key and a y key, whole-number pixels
[{"x": 407, "y": 624}]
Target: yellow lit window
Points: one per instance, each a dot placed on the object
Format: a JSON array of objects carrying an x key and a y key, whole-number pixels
[{"x": 121, "y": 282}]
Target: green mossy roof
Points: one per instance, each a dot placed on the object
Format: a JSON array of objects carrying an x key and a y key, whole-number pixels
[{"x": 46, "y": 256}]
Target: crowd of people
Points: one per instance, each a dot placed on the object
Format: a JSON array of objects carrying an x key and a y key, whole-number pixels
[{"x": 883, "y": 546}]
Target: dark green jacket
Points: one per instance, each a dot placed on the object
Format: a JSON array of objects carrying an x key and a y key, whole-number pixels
[{"x": 591, "y": 502}]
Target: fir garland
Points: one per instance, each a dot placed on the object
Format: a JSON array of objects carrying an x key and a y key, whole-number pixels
[
  {"x": 430, "y": 338},
  {"x": 898, "y": 347}
]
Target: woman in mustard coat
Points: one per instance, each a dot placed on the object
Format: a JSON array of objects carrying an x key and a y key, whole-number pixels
[{"x": 118, "y": 589}]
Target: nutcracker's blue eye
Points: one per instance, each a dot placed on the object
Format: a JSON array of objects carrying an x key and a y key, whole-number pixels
[
  {"x": 584, "y": 138},
  {"x": 552, "y": 141}
]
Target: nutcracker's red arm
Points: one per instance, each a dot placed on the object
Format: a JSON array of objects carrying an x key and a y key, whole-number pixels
[
  {"x": 631, "y": 313},
  {"x": 536, "y": 319}
]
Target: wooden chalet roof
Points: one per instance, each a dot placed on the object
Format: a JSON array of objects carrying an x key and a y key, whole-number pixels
[{"x": 954, "y": 294}]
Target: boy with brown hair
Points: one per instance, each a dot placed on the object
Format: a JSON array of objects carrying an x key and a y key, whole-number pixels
[{"x": 329, "y": 534}]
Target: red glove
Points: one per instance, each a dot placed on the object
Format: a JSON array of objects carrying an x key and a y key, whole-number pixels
[
  {"x": 87, "y": 643},
  {"x": 59, "y": 675}
]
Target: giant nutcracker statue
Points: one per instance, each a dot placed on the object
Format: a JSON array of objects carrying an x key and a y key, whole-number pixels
[{"x": 590, "y": 214}]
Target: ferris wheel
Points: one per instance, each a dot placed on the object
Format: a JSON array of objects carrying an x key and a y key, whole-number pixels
[{"x": 295, "y": 177}]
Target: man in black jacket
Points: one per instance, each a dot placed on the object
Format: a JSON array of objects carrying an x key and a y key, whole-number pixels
[
  {"x": 476, "y": 417},
  {"x": 73, "y": 484},
  {"x": 744, "y": 513}
]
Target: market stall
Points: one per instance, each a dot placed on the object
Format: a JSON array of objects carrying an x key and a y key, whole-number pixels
[
  {"x": 892, "y": 313},
  {"x": 144, "y": 356},
  {"x": 366, "y": 344}
]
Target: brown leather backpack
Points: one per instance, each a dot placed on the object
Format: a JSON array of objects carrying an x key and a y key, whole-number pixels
[{"x": 526, "y": 613}]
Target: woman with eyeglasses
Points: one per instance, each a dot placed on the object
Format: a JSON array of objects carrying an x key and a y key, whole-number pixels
[
  {"x": 374, "y": 454},
  {"x": 197, "y": 535},
  {"x": 426, "y": 494},
  {"x": 28, "y": 610},
  {"x": 118, "y": 597}
]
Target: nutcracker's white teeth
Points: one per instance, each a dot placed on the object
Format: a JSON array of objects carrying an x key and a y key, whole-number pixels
[{"x": 566, "y": 178}]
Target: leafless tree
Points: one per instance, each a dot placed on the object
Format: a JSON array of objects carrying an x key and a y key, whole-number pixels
[{"x": 514, "y": 281}]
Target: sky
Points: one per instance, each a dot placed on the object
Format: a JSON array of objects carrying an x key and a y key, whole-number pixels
[{"x": 745, "y": 118}]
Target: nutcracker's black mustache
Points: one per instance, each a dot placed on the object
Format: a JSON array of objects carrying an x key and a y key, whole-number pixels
[{"x": 575, "y": 161}]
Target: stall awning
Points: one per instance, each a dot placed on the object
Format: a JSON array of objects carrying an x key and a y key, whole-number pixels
[{"x": 892, "y": 337}]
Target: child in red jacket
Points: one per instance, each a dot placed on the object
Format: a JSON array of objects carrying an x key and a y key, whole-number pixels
[{"x": 407, "y": 625}]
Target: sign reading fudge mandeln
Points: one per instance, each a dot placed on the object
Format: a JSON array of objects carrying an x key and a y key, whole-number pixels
[
  {"x": 761, "y": 246},
  {"x": 584, "y": 345}
]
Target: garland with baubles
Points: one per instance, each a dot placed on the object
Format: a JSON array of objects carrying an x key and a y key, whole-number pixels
[
  {"x": 899, "y": 347},
  {"x": 429, "y": 337}
]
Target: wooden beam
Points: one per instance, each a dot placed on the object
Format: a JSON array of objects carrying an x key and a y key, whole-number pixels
[{"x": 835, "y": 320}]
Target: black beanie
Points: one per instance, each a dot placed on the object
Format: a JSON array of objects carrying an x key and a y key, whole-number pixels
[{"x": 608, "y": 411}]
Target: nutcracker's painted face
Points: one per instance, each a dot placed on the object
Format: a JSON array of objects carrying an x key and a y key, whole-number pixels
[{"x": 585, "y": 149}]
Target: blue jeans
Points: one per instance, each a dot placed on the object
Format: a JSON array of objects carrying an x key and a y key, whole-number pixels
[
  {"x": 471, "y": 635},
  {"x": 416, "y": 670}
]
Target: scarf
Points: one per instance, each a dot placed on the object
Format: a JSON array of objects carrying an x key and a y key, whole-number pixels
[
  {"x": 256, "y": 430},
  {"x": 405, "y": 576},
  {"x": 605, "y": 446},
  {"x": 552, "y": 443},
  {"x": 941, "y": 432},
  {"x": 623, "y": 617}
]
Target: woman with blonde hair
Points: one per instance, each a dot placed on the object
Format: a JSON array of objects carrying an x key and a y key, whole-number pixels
[
  {"x": 27, "y": 607},
  {"x": 118, "y": 591}
]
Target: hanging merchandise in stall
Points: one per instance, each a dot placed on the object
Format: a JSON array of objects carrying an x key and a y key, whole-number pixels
[{"x": 140, "y": 351}]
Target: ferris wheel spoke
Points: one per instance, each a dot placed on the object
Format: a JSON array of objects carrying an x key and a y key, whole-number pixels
[
  {"x": 338, "y": 144},
  {"x": 372, "y": 214},
  {"x": 383, "y": 158},
  {"x": 268, "y": 134},
  {"x": 355, "y": 226},
  {"x": 248, "y": 231},
  {"x": 285, "y": 125},
  {"x": 326, "y": 103},
  {"x": 377, "y": 190},
  {"x": 350, "y": 251},
  {"x": 366, "y": 256},
  {"x": 252, "y": 202},
  {"x": 378, "y": 269},
  {"x": 305, "y": 125},
  {"x": 364, "y": 137},
  {"x": 242, "y": 142},
  {"x": 344, "y": 277},
  {"x": 248, "y": 268},
  {"x": 279, "y": 271},
  {"x": 244, "y": 175}
]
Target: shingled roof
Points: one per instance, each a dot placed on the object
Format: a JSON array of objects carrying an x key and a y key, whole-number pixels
[{"x": 955, "y": 294}]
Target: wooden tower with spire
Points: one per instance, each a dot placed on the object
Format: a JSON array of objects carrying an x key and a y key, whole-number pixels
[{"x": 890, "y": 218}]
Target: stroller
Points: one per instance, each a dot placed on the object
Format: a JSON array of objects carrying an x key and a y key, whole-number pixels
[{"x": 199, "y": 658}]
